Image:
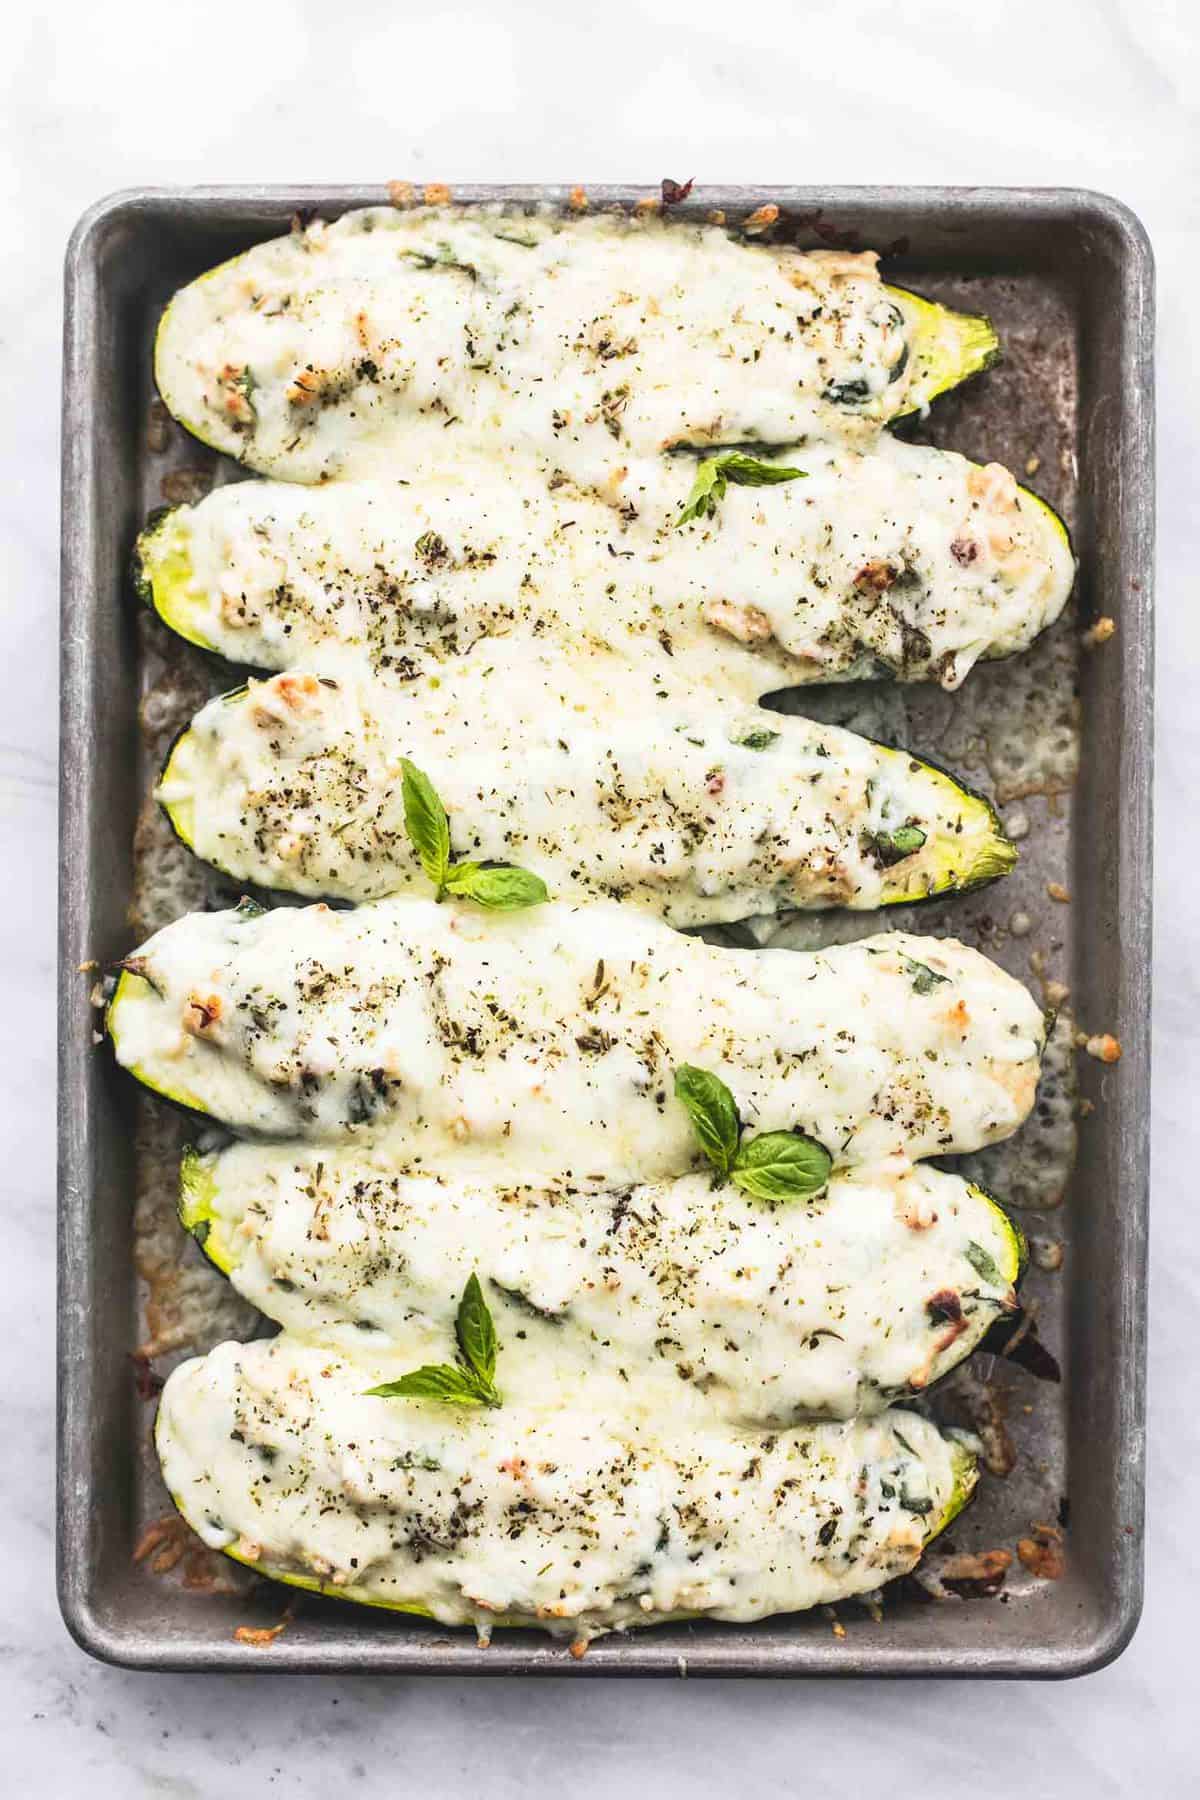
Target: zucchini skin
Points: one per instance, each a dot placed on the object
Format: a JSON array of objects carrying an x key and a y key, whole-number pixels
[
  {"x": 159, "y": 572},
  {"x": 956, "y": 345}
]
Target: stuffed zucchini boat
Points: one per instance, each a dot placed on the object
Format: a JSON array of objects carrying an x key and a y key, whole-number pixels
[
  {"x": 550, "y": 1038},
  {"x": 609, "y": 779},
  {"x": 580, "y": 1515},
  {"x": 908, "y": 562},
  {"x": 830, "y": 1307},
  {"x": 347, "y": 347}
]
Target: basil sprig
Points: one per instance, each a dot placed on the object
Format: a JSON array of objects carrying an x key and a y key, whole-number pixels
[
  {"x": 775, "y": 1165},
  {"x": 471, "y": 1380},
  {"x": 498, "y": 886},
  {"x": 716, "y": 472}
]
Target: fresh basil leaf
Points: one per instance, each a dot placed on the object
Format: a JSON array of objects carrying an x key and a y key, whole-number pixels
[
  {"x": 757, "y": 740},
  {"x": 893, "y": 846},
  {"x": 426, "y": 822},
  {"x": 476, "y": 1332},
  {"x": 713, "y": 1112},
  {"x": 459, "y": 875},
  {"x": 925, "y": 979},
  {"x": 715, "y": 473},
  {"x": 500, "y": 889},
  {"x": 782, "y": 1165},
  {"x": 436, "y": 1381},
  {"x": 985, "y": 1265},
  {"x": 707, "y": 489},
  {"x": 468, "y": 1382},
  {"x": 752, "y": 471}
]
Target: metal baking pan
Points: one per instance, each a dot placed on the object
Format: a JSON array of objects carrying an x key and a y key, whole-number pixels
[{"x": 1068, "y": 278}]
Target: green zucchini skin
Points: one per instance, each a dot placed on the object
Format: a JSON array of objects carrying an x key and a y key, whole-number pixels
[{"x": 956, "y": 345}]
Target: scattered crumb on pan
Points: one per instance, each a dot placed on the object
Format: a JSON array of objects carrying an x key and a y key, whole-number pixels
[
  {"x": 1099, "y": 633},
  {"x": 1042, "y": 1553},
  {"x": 261, "y": 1637},
  {"x": 168, "y": 1546}
]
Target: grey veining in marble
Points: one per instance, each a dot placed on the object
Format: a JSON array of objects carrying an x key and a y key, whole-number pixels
[{"x": 1096, "y": 94}]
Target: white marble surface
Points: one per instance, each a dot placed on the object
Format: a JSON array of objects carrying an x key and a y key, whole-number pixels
[{"x": 101, "y": 97}]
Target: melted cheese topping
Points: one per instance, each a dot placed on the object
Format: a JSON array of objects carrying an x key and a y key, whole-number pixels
[
  {"x": 826, "y": 1308},
  {"x": 648, "y": 1332},
  {"x": 581, "y": 1514},
  {"x": 605, "y": 777},
  {"x": 363, "y": 344},
  {"x": 550, "y": 1038},
  {"x": 906, "y": 561}
]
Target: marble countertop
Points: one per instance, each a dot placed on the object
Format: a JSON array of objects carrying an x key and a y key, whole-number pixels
[{"x": 1086, "y": 94}]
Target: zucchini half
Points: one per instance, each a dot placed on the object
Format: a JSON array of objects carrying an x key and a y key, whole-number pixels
[
  {"x": 294, "y": 355},
  {"x": 359, "y": 1527},
  {"x": 429, "y": 1027},
  {"x": 945, "y": 348},
  {"x": 724, "y": 812},
  {"x": 966, "y": 1479},
  {"x": 905, "y": 562},
  {"x": 915, "y": 1269}
]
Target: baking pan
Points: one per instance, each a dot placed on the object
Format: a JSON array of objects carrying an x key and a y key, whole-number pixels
[{"x": 1068, "y": 278}]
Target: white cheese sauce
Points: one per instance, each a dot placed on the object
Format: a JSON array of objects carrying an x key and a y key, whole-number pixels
[
  {"x": 581, "y": 1514},
  {"x": 550, "y": 1038},
  {"x": 830, "y": 1307},
  {"x": 483, "y": 572},
  {"x": 905, "y": 561},
  {"x": 375, "y": 340},
  {"x": 605, "y": 777}
]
